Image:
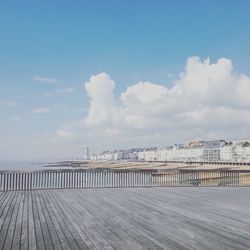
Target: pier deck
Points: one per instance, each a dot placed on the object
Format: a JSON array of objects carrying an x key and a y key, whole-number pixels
[{"x": 128, "y": 218}]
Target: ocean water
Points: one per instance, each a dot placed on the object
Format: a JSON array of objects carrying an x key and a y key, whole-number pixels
[{"x": 23, "y": 165}]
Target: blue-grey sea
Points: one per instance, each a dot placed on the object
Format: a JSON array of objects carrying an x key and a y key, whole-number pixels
[{"x": 24, "y": 165}]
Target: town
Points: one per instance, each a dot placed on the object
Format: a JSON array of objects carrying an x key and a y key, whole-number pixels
[{"x": 217, "y": 150}]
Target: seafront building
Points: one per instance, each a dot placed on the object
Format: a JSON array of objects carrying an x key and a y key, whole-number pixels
[
  {"x": 217, "y": 150},
  {"x": 86, "y": 155}
]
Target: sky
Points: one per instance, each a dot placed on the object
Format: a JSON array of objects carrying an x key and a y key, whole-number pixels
[{"x": 121, "y": 74}]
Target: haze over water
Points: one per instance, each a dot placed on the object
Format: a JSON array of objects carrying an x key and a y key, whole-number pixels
[{"x": 29, "y": 165}]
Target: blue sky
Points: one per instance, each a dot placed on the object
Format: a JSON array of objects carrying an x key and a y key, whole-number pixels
[{"x": 132, "y": 41}]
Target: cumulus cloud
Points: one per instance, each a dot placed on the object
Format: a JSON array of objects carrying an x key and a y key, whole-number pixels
[
  {"x": 66, "y": 90},
  {"x": 41, "y": 110},
  {"x": 44, "y": 79},
  {"x": 102, "y": 109},
  {"x": 207, "y": 101}
]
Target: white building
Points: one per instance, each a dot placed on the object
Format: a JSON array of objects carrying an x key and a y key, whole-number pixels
[
  {"x": 246, "y": 152},
  {"x": 148, "y": 155},
  {"x": 86, "y": 155},
  {"x": 219, "y": 150},
  {"x": 226, "y": 153},
  {"x": 212, "y": 150},
  {"x": 163, "y": 154},
  {"x": 196, "y": 154},
  {"x": 241, "y": 151}
]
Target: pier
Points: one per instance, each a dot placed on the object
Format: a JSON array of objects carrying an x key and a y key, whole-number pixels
[
  {"x": 139, "y": 210},
  {"x": 126, "y": 218}
]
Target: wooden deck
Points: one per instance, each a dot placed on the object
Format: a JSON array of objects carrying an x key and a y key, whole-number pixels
[{"x": 128, "y": 218}]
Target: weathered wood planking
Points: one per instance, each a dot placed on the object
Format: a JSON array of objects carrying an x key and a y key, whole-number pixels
[{"x": 145, "y": 218}]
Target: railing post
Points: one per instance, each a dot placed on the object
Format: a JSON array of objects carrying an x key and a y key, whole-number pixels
[{"x": 13, "y": 181}]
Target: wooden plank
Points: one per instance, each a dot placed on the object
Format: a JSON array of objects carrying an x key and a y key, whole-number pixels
[
  {"x": 191, "y": 219},
  {"x": 31, "y": 225},
  {"x": 12, "y": 225},
  {"x": 167, "y": 233},
  {"x": 60, "y": 233},
  {"x": 37, "y": 223},
  {"x": 132, "y": 218},
  {"x": 46, "y": 234},
  {"x": 68, "y": 222},
  {"x": 17, "y": 235},
  {"x": 91, "y": 238},
  {"x": 51, "y": 229},
  {"x": 158, "y": 226},
  {"x": 129, "y": 221},
  {"x": 24, "y": 241},
  {"x": 2, "y": 194},
  {"x": 5, "y": 199},
  {"x": 63, "y": 222},
  {"x": 7, "y": 215},
  {"x": 109, "y": 226}
]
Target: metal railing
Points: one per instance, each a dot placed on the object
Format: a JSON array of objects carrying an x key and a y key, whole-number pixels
[{"x": 57, "y": 179}]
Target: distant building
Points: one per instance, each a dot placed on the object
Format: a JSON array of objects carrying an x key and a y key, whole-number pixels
[
  {"x": 226, "y": 153},
  {"x": 246, "y": 152},
  {"x": 165, "y": 154},
  {"x": 241, "y": 151},
  {"x": 212, "y": 150},
  {"x": 149, "y": 154},
  {"x": 86, "y": 155},
  {"x": 217, "y": 150}
]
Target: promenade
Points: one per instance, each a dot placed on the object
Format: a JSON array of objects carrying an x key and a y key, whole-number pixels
[{"x": 126, "y": 218}]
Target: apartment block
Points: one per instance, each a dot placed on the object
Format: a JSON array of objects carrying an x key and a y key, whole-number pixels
[{"x": 217, "y": 150}]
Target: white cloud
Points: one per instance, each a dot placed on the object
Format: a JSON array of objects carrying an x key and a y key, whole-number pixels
[
  {"x": 207, "y": 101},
  {"x": 64, "y": 133},
  {"x": 15, "y": 118},
  {"x": 66, "y": 90},
  {"x": 48, "y": 95},
  {"x": 69, "y": 109},
  {"x": 41, "y": 110},
  {"x": 17, "y": 97},
  {"x": 44, "y": 79},
  {"x": 102, "y": 106},
  {"x": 9, "y": 104}
]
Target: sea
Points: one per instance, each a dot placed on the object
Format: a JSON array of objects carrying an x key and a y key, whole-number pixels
[{"x": 26, "y": 165}]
